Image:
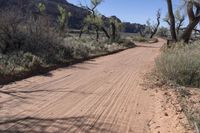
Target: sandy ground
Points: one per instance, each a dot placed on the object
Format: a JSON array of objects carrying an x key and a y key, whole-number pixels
[{"x": 101, "y": 95}]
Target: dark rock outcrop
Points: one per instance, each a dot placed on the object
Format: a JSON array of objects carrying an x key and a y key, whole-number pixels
[{"x": 78, "y": 13}]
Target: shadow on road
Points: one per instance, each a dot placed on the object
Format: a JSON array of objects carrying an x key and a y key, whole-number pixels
[{"x": 53, "y": 125}]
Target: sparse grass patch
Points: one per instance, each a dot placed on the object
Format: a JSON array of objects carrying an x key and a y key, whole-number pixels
[{"x": 189, "y": 101}]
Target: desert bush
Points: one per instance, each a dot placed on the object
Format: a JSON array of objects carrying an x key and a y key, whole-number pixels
[
  {"x": 140, "y": 39},
  {"x": 29, "y": 44},
  {"x": 87, "y": 46},
  {"x": 31, "y": 62},
  {"x": 126, "y": 43},
  {"x": 10, "y": 34},
  {"x": 33, "y": 35},
  {"x": 19, "y": 61},
  {"x": 81, "y": 51},
  {"x": 180, "y": 64}
]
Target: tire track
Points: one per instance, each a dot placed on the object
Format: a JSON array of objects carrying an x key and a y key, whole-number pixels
[{"x": 101, "y": 95}]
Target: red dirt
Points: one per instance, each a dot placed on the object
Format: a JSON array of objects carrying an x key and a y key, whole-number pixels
[{"x": 100, "y": 95}]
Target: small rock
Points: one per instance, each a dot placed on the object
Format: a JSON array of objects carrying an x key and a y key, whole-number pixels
[{"x": 166, "y": 114}]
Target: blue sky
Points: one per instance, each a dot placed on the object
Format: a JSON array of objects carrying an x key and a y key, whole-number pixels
[{"x": 135, "y": 11}]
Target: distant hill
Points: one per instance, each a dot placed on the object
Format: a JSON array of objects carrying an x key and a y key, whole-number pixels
[
  {"x": 75, "y": 21},
  {"x": 133, "y": 27}
]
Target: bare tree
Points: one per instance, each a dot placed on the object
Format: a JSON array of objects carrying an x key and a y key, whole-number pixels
[
  {"x": 179, "y": 21},
  {"x": 193, "y": 11},
  {"x": 151, "y": 28},
  {"x": 155, "y": 28}
]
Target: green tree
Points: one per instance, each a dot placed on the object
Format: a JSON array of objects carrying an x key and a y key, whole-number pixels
[
  {"x": 94, "y": 19},
  {"x": 116, "y": 27},
  {"x": 63, "y": 19},
  {"x": 41, "y": 7}
]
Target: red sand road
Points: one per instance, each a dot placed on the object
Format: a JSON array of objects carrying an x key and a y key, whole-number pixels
[{"x": 101, "y": 95}]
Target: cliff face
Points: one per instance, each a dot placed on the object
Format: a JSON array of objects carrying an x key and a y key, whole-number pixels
[
  {"x": 27, "y": 6},
  {"x": 78, "y": 14},
  {"x": 133, "y": 27}
]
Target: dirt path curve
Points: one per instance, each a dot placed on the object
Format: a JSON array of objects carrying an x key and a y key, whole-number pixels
[{"x": 101, "y": 95}]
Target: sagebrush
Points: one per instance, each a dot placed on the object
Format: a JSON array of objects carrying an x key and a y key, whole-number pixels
[{"x": 180, "y": 64}]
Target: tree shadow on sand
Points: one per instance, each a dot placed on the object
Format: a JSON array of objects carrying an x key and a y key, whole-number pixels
[{"x": 53, "y": 125}]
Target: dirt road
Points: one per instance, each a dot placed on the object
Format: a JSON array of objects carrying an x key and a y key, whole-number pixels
[{"x": 100, "y": 95}]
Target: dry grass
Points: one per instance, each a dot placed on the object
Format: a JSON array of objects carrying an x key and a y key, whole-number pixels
[{"x": 180, "y": 65}]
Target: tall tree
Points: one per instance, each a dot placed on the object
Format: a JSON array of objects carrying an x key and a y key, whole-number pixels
[
  {"x": 171, "y": 20},
  {"x": 179, "y": 20},
  {"x": 193, "y": 12}
]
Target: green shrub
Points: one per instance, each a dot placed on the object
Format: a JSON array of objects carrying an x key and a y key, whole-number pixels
[
  {"x": 139, "y": 39},
  {"x": 34, "y": 36},
  {"x": 31, "y": 62},
  {"x": 81, "y": 51},
  {"x": 180, "y": 65},
  {"x": 126, "y": 43}
]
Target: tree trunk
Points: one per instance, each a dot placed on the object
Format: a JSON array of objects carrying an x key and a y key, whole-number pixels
[
  {"x": 153, "y": 33},
  {"x": 172, "y": 20},
  {"x": 158, "y": 24},
  {"x": 188, "y": 32},
  {"x": 97, "y": 33},
  {"x": 81, "y": 32},
  {"x": 105, "y": 32},
  {"x": 113, "y": 31},
  {"x": 194, "y": 20}
]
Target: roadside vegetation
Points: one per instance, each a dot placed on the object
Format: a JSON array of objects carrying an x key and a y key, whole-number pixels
[
  {"x": 30, "y": 43},
  {"x": 178, "y": 64}
]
